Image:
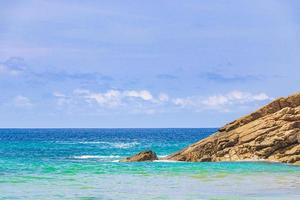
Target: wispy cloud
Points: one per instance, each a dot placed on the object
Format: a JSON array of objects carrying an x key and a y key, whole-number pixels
[
  {"x": 12, "y": 66},
  {"x": 167, "y": 76},
  {"x": 223, "y": 77},
  {"x": 62, "y": 76},
  {"x": 16, "y": 66},
  {"x": 22, "y": 101}
]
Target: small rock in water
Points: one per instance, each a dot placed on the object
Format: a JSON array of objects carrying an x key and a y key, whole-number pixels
[{"x": 142, "y": 156}]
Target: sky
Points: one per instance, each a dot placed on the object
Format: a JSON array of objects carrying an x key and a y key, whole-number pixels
[{"x": 138, "y": 63}]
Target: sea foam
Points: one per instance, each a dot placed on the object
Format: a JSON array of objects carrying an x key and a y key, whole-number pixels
[
  {"x": 118, "y": 145},
  {"x": 94, "y": 157}
]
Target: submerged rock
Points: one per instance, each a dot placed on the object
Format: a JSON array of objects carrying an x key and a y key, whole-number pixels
[
  {"x": 271, "y": 133},
  {"x": 142, "y": 156}
]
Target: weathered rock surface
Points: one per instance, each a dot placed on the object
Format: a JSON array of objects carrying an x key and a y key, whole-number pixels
[
  {"x": 142, "y": 156},
  {"x": 272, "y": 133}
]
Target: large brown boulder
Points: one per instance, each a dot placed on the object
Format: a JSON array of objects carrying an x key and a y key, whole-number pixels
[
  {"x": 142, "y": 156},
  {"x": 271, "y": 133}
]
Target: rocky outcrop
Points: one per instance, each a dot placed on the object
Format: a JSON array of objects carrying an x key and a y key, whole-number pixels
[
  {"x": 272, "y": 133},
  {"x": 142, "y": 156}
]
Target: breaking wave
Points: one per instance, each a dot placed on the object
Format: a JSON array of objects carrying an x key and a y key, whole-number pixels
[
  {"x": 95, "y": 157},
  {"x": 118, "y": 145}
]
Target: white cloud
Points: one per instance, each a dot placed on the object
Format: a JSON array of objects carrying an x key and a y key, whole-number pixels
[
  {"x": 111, "y": 98},
  {"x": 143, "y": 101},
  {"x": 143, "y": 94},
  {"x": 238, "y": 97},
  {"x": 58, "y": 94},
  {"x": 215, "y": 100},
  {"x": 183, "y": 102},
  {"x": 114, "y": 98},
  {"x": 62, "y": 99},
  {"x": 22, "y": 101},
  {"x": 261, "y": 97},
  {"x": 163, "y": 97},
  {"x": 221, "y": 102}
]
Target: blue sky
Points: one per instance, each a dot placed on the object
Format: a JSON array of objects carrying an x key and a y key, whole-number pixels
[{"x": 144, "y": 63}]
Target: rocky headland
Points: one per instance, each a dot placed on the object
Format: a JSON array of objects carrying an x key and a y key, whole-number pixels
[{"x": 272, "y": 133}]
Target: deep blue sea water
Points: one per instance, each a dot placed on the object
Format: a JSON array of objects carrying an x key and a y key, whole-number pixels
[{"x": 82, "y": 164}]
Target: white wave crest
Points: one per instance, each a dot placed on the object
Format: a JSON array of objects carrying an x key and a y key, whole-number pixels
[
  {"x": 122, "y": 145},
  {"x": 119, "y": 145},
  {"x": 94, "y": 157},
  {"x": 172, "y": 161},
  {"x": 162, "y": 156}
]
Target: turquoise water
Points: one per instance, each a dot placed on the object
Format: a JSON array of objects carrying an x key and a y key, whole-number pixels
[{"x": 82, "y": 164}]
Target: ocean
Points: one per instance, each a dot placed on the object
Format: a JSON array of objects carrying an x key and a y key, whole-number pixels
[{"x": 83, "y": 164}]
